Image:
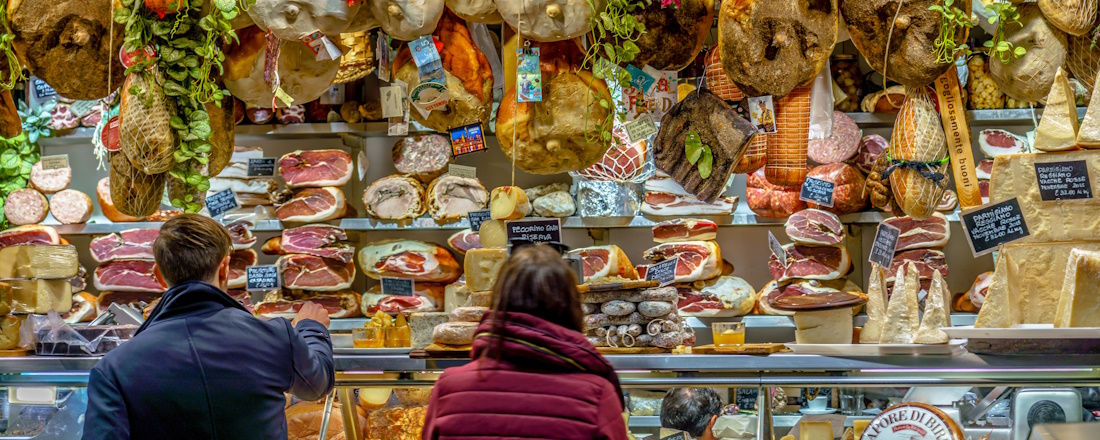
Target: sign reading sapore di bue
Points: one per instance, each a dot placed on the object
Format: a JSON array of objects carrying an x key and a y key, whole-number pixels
[{"x": 912, "y": 421}]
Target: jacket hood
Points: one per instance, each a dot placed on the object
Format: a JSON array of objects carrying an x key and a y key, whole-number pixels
[
  {"x": 189, "y": 298},
  {"x": 535, "y": 344}
]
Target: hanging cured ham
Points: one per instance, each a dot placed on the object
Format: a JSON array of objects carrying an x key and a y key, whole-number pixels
[
  {"x": 301, "y": 76},
  {"x": 292, "y": 19},
  {"x": 787, "y": 150},
  {"x": 550, "y": 20},
  {"x": 415, "y": 260},
  {"x": 479, "y": 11},
  {"x": 1028, "y": 78},
  {"x": 673, "y": 35},
  {"x": 407, "y": 19},
  {"x": 918, "y": 147}
]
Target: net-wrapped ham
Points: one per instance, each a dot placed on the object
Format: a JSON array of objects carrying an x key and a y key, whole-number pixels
[
  {"x": 133, "y": 192},
  {"x": 769, "y": 47},
  {"x": 415, "y": 260},
  {"x": 301, "y": 76},
  {"x": 1074, "y": 17},
  {"x": 1029, "y": 77},
  {"x": 1082, "y": 59},
  {"x": 469, "y": 79},
  {"x": 918, "y": 152},
  {"x": 550, "y": 20},
  {"x": 673, "y": 35},
  {"x": 910, "y": 37},
  {"x": 394, "y": 198},
  {"x": 453, "y": 197},
  {"x": 290, "y": 19},
  {"x": 146, "y": 137}
]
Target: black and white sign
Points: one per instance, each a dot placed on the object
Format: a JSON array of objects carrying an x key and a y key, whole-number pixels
[
  {"x": 57, "y": 162},
  {"x": 43, "y": 90},
  {"x": 263, "y": 277},
  {"x": 886, "y": 243},
  {"x": 535, "y": 231},
  {"x": 777, "y": 249},
  {"x": 261, "y": 167},
  {"x": 221, "y": 203},
  {"x": 817, "y": 191},
  {"x": 1063, "y": 180},
  {"x": 477, "y": 218},
  {"x": 663, "y": 272},
  {"x": 397, "y": 286},
  {"x": 994, "y": 225},
  {"x": 745, "y": 398},
  {"x": 577, "y": 264}
]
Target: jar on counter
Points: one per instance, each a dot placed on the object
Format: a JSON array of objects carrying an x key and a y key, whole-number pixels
[{"x": 845, "y": 70}]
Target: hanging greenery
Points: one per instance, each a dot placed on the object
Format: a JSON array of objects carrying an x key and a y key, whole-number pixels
[
  {"x": 15, "y": 70},
  {"x": 612, "y": 43}
]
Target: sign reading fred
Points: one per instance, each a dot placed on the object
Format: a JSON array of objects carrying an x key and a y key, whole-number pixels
[{"x": 912, "y": 421}]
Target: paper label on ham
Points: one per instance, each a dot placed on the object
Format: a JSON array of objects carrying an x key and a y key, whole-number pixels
[
  {"x": 398, "y": 286},
  {"x": 885, "y": 245},
  {"x": 263, "y": 277}
]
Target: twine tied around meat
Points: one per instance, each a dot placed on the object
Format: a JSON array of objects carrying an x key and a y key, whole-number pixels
[{"x": 926, "y": 169}]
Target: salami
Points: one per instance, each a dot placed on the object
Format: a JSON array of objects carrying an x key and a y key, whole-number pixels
[
  {"x": 838, "y": 147},
  {"x": 848, "y": 194},
  {"x": 26, "y": 207},
  {"x": 50, "y": 181},
  {"x": 70, "y": 207}
]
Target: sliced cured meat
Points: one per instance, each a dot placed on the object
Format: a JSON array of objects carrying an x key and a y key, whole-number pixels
[
  {"x": 949, "y": 202},
  {"x": 29, "y": 234},
  {"x": 685, "y": 230},
  {"x": 137, "y": 300},
  {"x": 394, "y": 198},
  {"x": 926, "y": 260},
  {"x": 314, "y": 273},
  {"x": 127, "y": 276},
  {"x": 394, "y": 304},
  {"x": 848, "y": 192},
  {"x": 83, "y": 310},
  {"x": 840, "y": 146},
  {"x": 985, "y": 169},
  {"x": 132, "y": 244},
  {"x": 452, "y": 197},
  {"x": 71, "y": 207},
  {"x": 107, "y": 204},
  {"x": 238, "y": 162},
  {"x": 312, "y": 205},
  {"x": 26, "y": 207},
  {"x": 932, "y": 232},
  {"x": 464, "y": 240},
  {"x": 604, "y": 262},
  {"x": 810, "y": 263},
  {"x": 50, "y": 181},
  {"x": 242, "y": 296},
  {"x": 260, "y": 185},
  {"x": 726, "y": 298},
  {"x": 238, "y": 264},
  {"x": 773, "y": 292},
  {"x": 814, "y": 226},
  {"x": 995, "y": 142},
  {"x": 667, "y": 204},
  {"x": 699, "y": 260},
  {"x": 980, "y": 288},
  {"x": 338, "y": 305},
  {"x": 424, "y": 157},
  {"x": 411, "y": 259},
  {"x": 772, "y": 201},
  {"x": 241, "y": 234},
  {"x": 870, "y": 147},
  {"x": 315, "y": 168},
  {"x": 317, "y": 240}
]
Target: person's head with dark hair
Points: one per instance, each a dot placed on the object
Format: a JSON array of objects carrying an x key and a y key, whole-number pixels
[
  {"x": 538, "y": 282},
  {"x": 692, "y": 410},
  {"x": 192, "y": 247}
]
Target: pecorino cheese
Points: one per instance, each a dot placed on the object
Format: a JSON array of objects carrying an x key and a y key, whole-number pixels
[
  {"x": 937, "y": 313},
  {"x": 818, "y": 430},
  {"x": 1079, "y": 305},
  {"x": 876, "y": 308},
  {"x": 509, "y": 203},
  {"x": 1057, "y": 129},
  {"x": 493, "y": 234},
  {"x": 482, "y": 267},
  {"x": 903, "y": 312},
  {"x": 39, "y": 261},
  {"x": 1064, "y": 220},
  {"x": 40, "y": 296},
  {"x": 824, "y": 327}
]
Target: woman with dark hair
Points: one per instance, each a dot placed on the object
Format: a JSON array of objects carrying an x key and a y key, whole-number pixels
[{"x": 533, "y": 374}]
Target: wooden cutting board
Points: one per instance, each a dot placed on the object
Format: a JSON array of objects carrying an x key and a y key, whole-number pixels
[
  {"x": 749, "y": 349},
  {"x": 438, "y": 351},
  {"x": 632, "y": 350},
  {"x": 627, "y": 285}
]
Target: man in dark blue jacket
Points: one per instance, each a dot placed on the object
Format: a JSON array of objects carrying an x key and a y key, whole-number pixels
[{"x": 202, "y": 367}]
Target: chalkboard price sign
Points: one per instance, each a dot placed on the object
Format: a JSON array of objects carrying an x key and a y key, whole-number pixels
[
  {"x": 221, "y": 203},
  {"x": 261, "y": 167},
  {"x": 397, "y": 286},
  {"x": 663, "y": 272},
  {"x": 477, "y": 218},
  {"x": 994, "y": 225},
  {"x": 817, "y": 191},
  {"x": 262, "y": 277},
  {"x": 1063, "y": 180},
  {"x": 777, "y": 249},
  {"x": 536, "y": 231},
  {"x": 886, "y": 243}
]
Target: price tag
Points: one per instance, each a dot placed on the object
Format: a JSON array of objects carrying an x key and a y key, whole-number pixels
[
  {"x": 535, "y": 231},
  {"x": 577, "y": 264},
  {"x": 391, "y": 97},
  {"x": 663, "y": 272},
  {"x": 222, "y": 202},
  {"x": 399, "y": 125},
  {"x": 993, "y": 225},
  {"x": 462, "y": 171},
  {"x": 885, "y": 245},
  {"x": 641, "y": 128},
  {"x": 385, "y": 56},
  {"x": 817, "y": 191},
  {"x": 468, "y": 139},
  {"x": 43, "y": 90},
  {"x": 323, "y": 49},
  {"x": 110, "y": 135},
  {"x": 56, "y": 162},
  {"x": 777, "y": 249},
  {"x": 397, "y": 286},
  {"x": 262, "y": 277},
  {"x": 477, "y": 218},
  {"x": 1061, "y": 180},
  {"x": 261, "y": 167},
  {"x": 528, "y": 75}
]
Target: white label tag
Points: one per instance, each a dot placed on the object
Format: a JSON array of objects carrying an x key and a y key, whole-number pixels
[
  {"x": 334, "y": 95},
  {"x": 641, "y": 128},
  {"x": 56, "y": 162},
  {"x": 462, "y": 171},
  {"x": 391, "y": 101}
]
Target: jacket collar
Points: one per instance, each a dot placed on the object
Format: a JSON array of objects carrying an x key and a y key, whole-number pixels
[{"x": 187, "y": 299}]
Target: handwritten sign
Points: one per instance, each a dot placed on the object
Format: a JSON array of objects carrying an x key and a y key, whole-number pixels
[
  {"x": 261, "y": 167},
  {"x": 777, "y": 249},
  {"x": 886, "y": 243},
  {"x": 262, "y": 277},
  {"x": 58, "y": 162},
  {"x": 1062, "y": 180},
  {"x": 398, "y": 286},
  {"x": 817, "y": 191},
  {"x": 663, "y": 272},
  {"x": 221, "y": 203},
  {"x": 641, "y": 128},
  {"x": 535, "y": 231},
  {"x": 477, "y": 218},
  {"x": 462, "y": 171},
  {"x": 43, "y": 90},
  {"x": 994, "y": 225}
]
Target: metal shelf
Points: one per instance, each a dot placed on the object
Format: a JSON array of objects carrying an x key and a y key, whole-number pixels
[{"x": 977, "y": 118}]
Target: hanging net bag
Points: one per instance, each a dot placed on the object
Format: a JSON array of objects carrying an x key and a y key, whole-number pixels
[
  {"x": 145, "y": 130},
  {"x": 1074, "y": 17},
  {"x": 918, "y": 156},
  {"x": 786, "y": 156},
  {"x": 132, "y": 191}
]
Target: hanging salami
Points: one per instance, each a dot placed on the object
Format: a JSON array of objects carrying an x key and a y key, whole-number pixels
[{"x": 787, "y": 148}]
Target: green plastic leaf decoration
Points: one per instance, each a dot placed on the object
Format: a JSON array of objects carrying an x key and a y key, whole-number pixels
[
  {"x": 693, "y": 147},
  {"x": 706, "y": 162}
]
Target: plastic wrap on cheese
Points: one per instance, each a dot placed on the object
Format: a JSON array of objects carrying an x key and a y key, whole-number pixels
[
  {"x": 37, "y": 296},
  {"x": 46, "y": 261}
]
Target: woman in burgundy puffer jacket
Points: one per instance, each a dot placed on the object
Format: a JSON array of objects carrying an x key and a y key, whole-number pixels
[{"x": 533, "y": 374}]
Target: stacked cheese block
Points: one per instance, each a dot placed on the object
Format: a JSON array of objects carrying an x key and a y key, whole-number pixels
[
  {"x": 428, "y": 265},
  {"x": 920, "y": 242},
  {"x": 460, "y": 328},
  {"x": 30, "y": 205},
  {"x": 250, "y": 190},
  {"x": 816, "y": 262},
  {"x": 125, "y": 273},
  {"x": 634, "y": 318},
  {"x": 34, "y": 278},
  {"x": 899, "y": 321},
  {"x": 313, "y": 180},
  {"x": 316, "y": 266},
  {"x": 703, "y": 280}
]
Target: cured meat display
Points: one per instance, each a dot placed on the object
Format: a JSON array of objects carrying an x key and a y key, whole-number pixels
[
  {"x": 814, "y": 226},
  {"x": 604, "y": 262},
  {"x": 238, "y": 262},
  {"x": 810, "y": 263},
  {"x": 129, "y": 244},
  {"x": 840, "y": 146},
  {"x": 29, "y": 234},
  {"x": 464, "y": 240},
  {"x": 315, "y": 168},
  {"x": 406, "y": 19},
  {"x": 699, "y": 260},
  {"x": 665, "y": 197},
  {"x": 323, "y": 241},
  {"x": 635, "y": 318},
  {"x": 870, "y": 147},
  {"x": 241, "y": 234},
  {"x": 451, "y": 197},
  {"x": 107, "y": 205},
  {"x": 674, "y": 36},
  {"x": 394, "y": 304},
  {"x": 769, "y": 200},
  {"x": 314, "y": 273},
  {"x": 50, "y": 181},
  {"x": 127, "y": 276},
  {"x": 918, "y": 146},
  {"x": 424, "y": 157},
  {"x": 394, "y": 198},
  {"x": 311, "y": 205},
  {"x": 26, "y": 207},
  {"x": 726, "y": 298},
  {"x": 338, "y": 305},
  {"x": 70, "y": 207},
  {"x": 622, "y": 162},
  {"x": 684, "y": 230},
  {"x": 932, "y": 232},
  {"x": 415, "y": 260},
  {"x": 925, "y": 260},
  {"x": 302, "y": 77},
  {"x": 848, "y": 183}
]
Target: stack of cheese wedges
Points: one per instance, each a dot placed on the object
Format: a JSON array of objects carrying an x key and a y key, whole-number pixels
[
  {"x": 898, "y": 321},
  {"x": 34, "y": 279}
]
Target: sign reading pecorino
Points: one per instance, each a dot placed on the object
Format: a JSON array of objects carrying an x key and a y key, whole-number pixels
[{"x": 912, "y": 421}]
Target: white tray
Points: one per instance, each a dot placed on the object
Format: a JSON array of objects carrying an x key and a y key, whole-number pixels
[
  {"x": 1024, "y": 331},
  {"x": 404, "y": 350},
  {"x": 849, "y": 350}
]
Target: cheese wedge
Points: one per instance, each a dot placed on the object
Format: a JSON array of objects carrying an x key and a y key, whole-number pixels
[
  {"x": 1057, "y": 129},
  {"x": 815, "y": 431},
  {"x": 48, "y": 261},
  {"x": 903, "y": 310},
  {"x": 1000, "y": 309},
  {"x": 859, "y": 426},
  {"x": 455, "y": 295},
  {"x": 823, "y": 326},
  {"x": 936, "y": 314},
  {"x": 1014, "y": 175},
  {"x": 41, "y": 296},
  {"x": 876, "y": 308},
  {"x": 482, "y": 267},
  {"x": 508, "y": 203},
  {"x": 1088, "y": 136},
  {"x": 1081, "y": 291},
  {"x": 493, "y": 234}
]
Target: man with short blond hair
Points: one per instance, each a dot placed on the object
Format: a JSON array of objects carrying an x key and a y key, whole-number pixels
[{"x": 202, "y": 367}]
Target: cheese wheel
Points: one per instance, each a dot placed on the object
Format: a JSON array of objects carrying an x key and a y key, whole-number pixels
[
  {"x": 71, "y": 206},
  {"x": 455, "y": 333},
  {"x": 508, "y": 203},
  {"x": 493, "y": 234}
]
